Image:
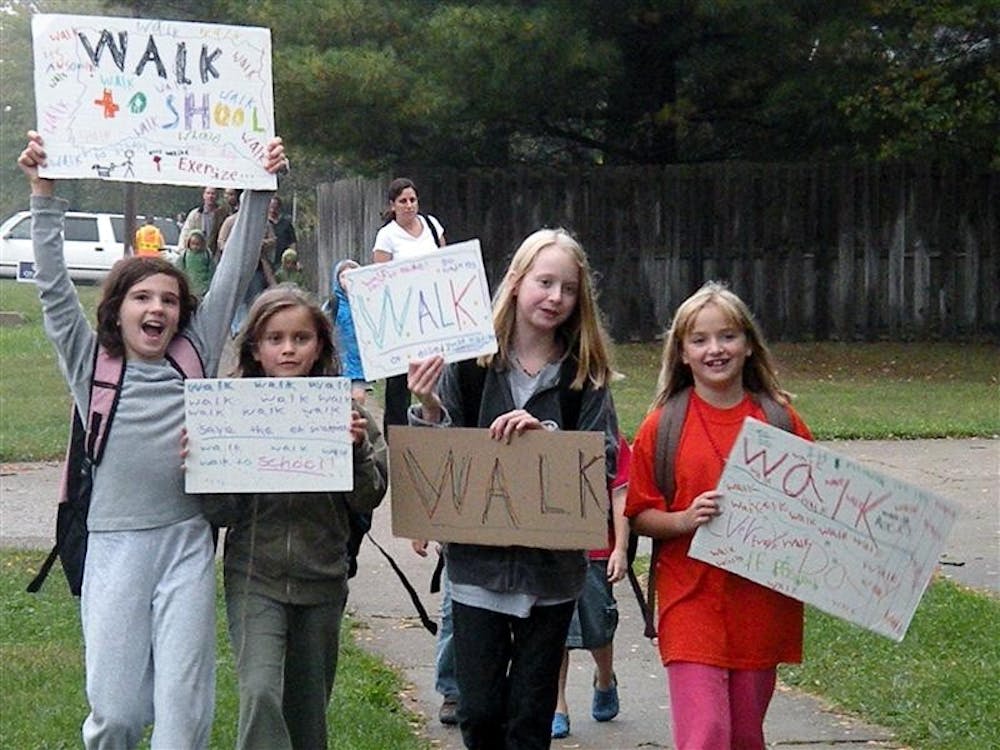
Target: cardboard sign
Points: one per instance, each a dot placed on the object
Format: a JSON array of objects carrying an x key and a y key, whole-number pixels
[
  {"x": 438, "y": 303},
  {"x": 819, "y": 527},
  {"x": 140, "y": 100},
  {"x": 268, "y": 435},
  {"x": 543, "y": 489}
]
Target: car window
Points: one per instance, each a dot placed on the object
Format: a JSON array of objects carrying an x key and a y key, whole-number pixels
[
  {"x": 118, "y": 227},
  {"x": 21, "y": 230},
  {"x": 168, "y": 227},
  {"x": 81, "y": 229}
]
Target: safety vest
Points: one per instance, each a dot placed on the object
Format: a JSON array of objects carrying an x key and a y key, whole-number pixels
[{"x": 148, "y": 240}]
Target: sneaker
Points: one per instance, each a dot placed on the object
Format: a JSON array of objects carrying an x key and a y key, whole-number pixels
[
  {"x": 560, "y": 726},
  {"x": 448, "y": 715},
  {"x": 605, "y": 706}
]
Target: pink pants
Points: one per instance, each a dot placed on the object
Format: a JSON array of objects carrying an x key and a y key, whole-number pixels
[{"x": 718, "y": 709}]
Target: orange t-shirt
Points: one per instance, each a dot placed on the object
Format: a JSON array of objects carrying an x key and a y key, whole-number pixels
[{"x": 705, "y": 614}]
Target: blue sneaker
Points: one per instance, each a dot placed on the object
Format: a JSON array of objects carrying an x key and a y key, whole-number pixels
[
  {"x": 605, "y": 706},
  {"x": 560, "y": 726}
]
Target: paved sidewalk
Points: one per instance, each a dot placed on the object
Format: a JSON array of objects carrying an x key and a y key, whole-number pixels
[{"x": 966, "y": 471}]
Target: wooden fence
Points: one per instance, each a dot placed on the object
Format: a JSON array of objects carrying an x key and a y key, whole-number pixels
[{"x": 818, "y": 251}]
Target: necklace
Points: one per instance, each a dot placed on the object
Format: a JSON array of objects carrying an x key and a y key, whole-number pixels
[
  {"x": 708, "y": 432},
  {"x": 525, "y": 370}
]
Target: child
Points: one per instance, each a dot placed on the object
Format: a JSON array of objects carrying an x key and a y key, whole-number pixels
[
  {"x": 348, "y": 339},
  {"x": 721, "y": 636},
  {"x": 286, "y": 554},
  {"x": 290, "y": 272},
  {"x": 197, "y": 263},
  {"x": 149, "y": 580},
  {"x": 511, "y": 606},
  {"x": 595, "y": 618}
]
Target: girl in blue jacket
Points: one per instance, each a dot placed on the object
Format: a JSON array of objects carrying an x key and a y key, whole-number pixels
[{"x": 512, "y": 605}]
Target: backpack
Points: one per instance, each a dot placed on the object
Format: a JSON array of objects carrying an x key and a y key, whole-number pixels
[
  {"x": 85, "y": 451},
  {"x": 668, "y": 436}
]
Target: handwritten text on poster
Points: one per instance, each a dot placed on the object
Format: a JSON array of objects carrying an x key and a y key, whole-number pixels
[
  {"x": 414, "y": 308},
  {"x": 543, "y": 489},
  {"x": 819, "y": 527},
  {"x": 139, "y": 100},
  {"x": 268, "y": 435}
]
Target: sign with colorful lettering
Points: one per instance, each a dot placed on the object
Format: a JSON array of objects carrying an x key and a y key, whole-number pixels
[
  {"x": 139, "y": 100},
  {"x": 268, "y": 435},
  {"x": 543, "y": 489},
  {"x": 824, "y": 529},
  {"x": 408, "y": 309}
]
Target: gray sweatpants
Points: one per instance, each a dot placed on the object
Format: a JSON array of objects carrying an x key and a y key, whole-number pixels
[{"x": 148, "y": 613}]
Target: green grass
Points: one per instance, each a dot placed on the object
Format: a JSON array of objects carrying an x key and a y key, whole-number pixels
[
  {"x": 859, "y": 391},
  {"x": 937, "y": 689},
  {"x": 843, "y": 391},
  {"x": 41, "y": 675},
  {"x": 34, "y": 398}
]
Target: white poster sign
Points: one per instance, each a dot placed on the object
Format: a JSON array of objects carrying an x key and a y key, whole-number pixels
[
  {"x": 152, "y": 101},
  {"x": 824, "y": 529},
  {"x": 268, "y": 435},
  {"x": 408, "y": 309}
]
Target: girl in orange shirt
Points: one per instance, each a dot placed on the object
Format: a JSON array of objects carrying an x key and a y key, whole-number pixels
[{"x": 720, "y": 636}]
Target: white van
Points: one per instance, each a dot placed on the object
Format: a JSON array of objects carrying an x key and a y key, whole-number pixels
[{"x": 93, "y": 242}]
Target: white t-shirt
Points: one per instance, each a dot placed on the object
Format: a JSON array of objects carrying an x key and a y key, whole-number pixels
[{"x": 399, "y": 243}]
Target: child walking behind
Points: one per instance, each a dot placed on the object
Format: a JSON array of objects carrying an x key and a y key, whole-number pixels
[
  {"x": 286, "y": 554},
  {"x": 511, "y": 606},
  {"x": 347, "y": 337},
  {"x": 720, "y": 636},
  {"x": 595, "y": 618},
  {"x": 147, "y": 604}
]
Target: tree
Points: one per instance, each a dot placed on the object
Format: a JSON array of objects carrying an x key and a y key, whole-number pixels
[{"x": 934, "y": 91}]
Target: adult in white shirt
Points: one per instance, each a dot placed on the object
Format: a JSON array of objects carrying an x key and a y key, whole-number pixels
[{"x": 407, "y": 233}]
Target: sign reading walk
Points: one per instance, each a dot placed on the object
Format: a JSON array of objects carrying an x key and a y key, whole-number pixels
[
  {"x": 824, "y": 529},
  {"x": 268, "y": 435},
  {"x": 153, "y": 101}
]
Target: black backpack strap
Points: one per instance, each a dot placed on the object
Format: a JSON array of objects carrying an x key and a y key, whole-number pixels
[
  {"x": 427, "y": 622},
  {"x": 434, "y": 231}
]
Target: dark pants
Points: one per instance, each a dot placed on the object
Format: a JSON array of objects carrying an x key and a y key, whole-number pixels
[
  {"x": 508, "y": 675},
  {"x": 286, "y": 662},
  {"x": 397, "y": 401}
]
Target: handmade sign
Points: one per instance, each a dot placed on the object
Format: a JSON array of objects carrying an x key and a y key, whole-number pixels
[
  {"x": 543, "y": 489},
  {"x": 139, "y": 100},
  {"x": 268, "y": 435},
  {"x": 438, "y": 303},
  {"x": 819, "y": 527}
]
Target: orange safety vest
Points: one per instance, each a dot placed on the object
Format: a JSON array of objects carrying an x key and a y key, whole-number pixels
[{"x": 148, "y": 240}]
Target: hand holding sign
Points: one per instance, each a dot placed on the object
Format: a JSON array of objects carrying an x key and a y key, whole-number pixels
[
  {"x": 824, "y": 529},
  {"x": 155, "y": 101},
  {"x": 412, "y": 309}
]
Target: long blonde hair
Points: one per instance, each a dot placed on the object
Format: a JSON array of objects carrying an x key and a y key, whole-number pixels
[
  {"x": 759, "y": 373},
  {"x": 583, "y": 332}
]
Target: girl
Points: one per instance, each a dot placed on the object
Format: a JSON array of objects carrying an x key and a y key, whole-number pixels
[
  {"x": 406, "y": 234},
  {"x": 148, "y": 597},
  {"x": 286, "y": 554},
  {"x": 720, "y": 636},
  {"x": 197, "y": 263},
  {"x": 512, "y": 605}
]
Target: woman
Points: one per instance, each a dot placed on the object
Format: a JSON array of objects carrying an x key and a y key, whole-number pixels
[{"x": 407, "y": 233}]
